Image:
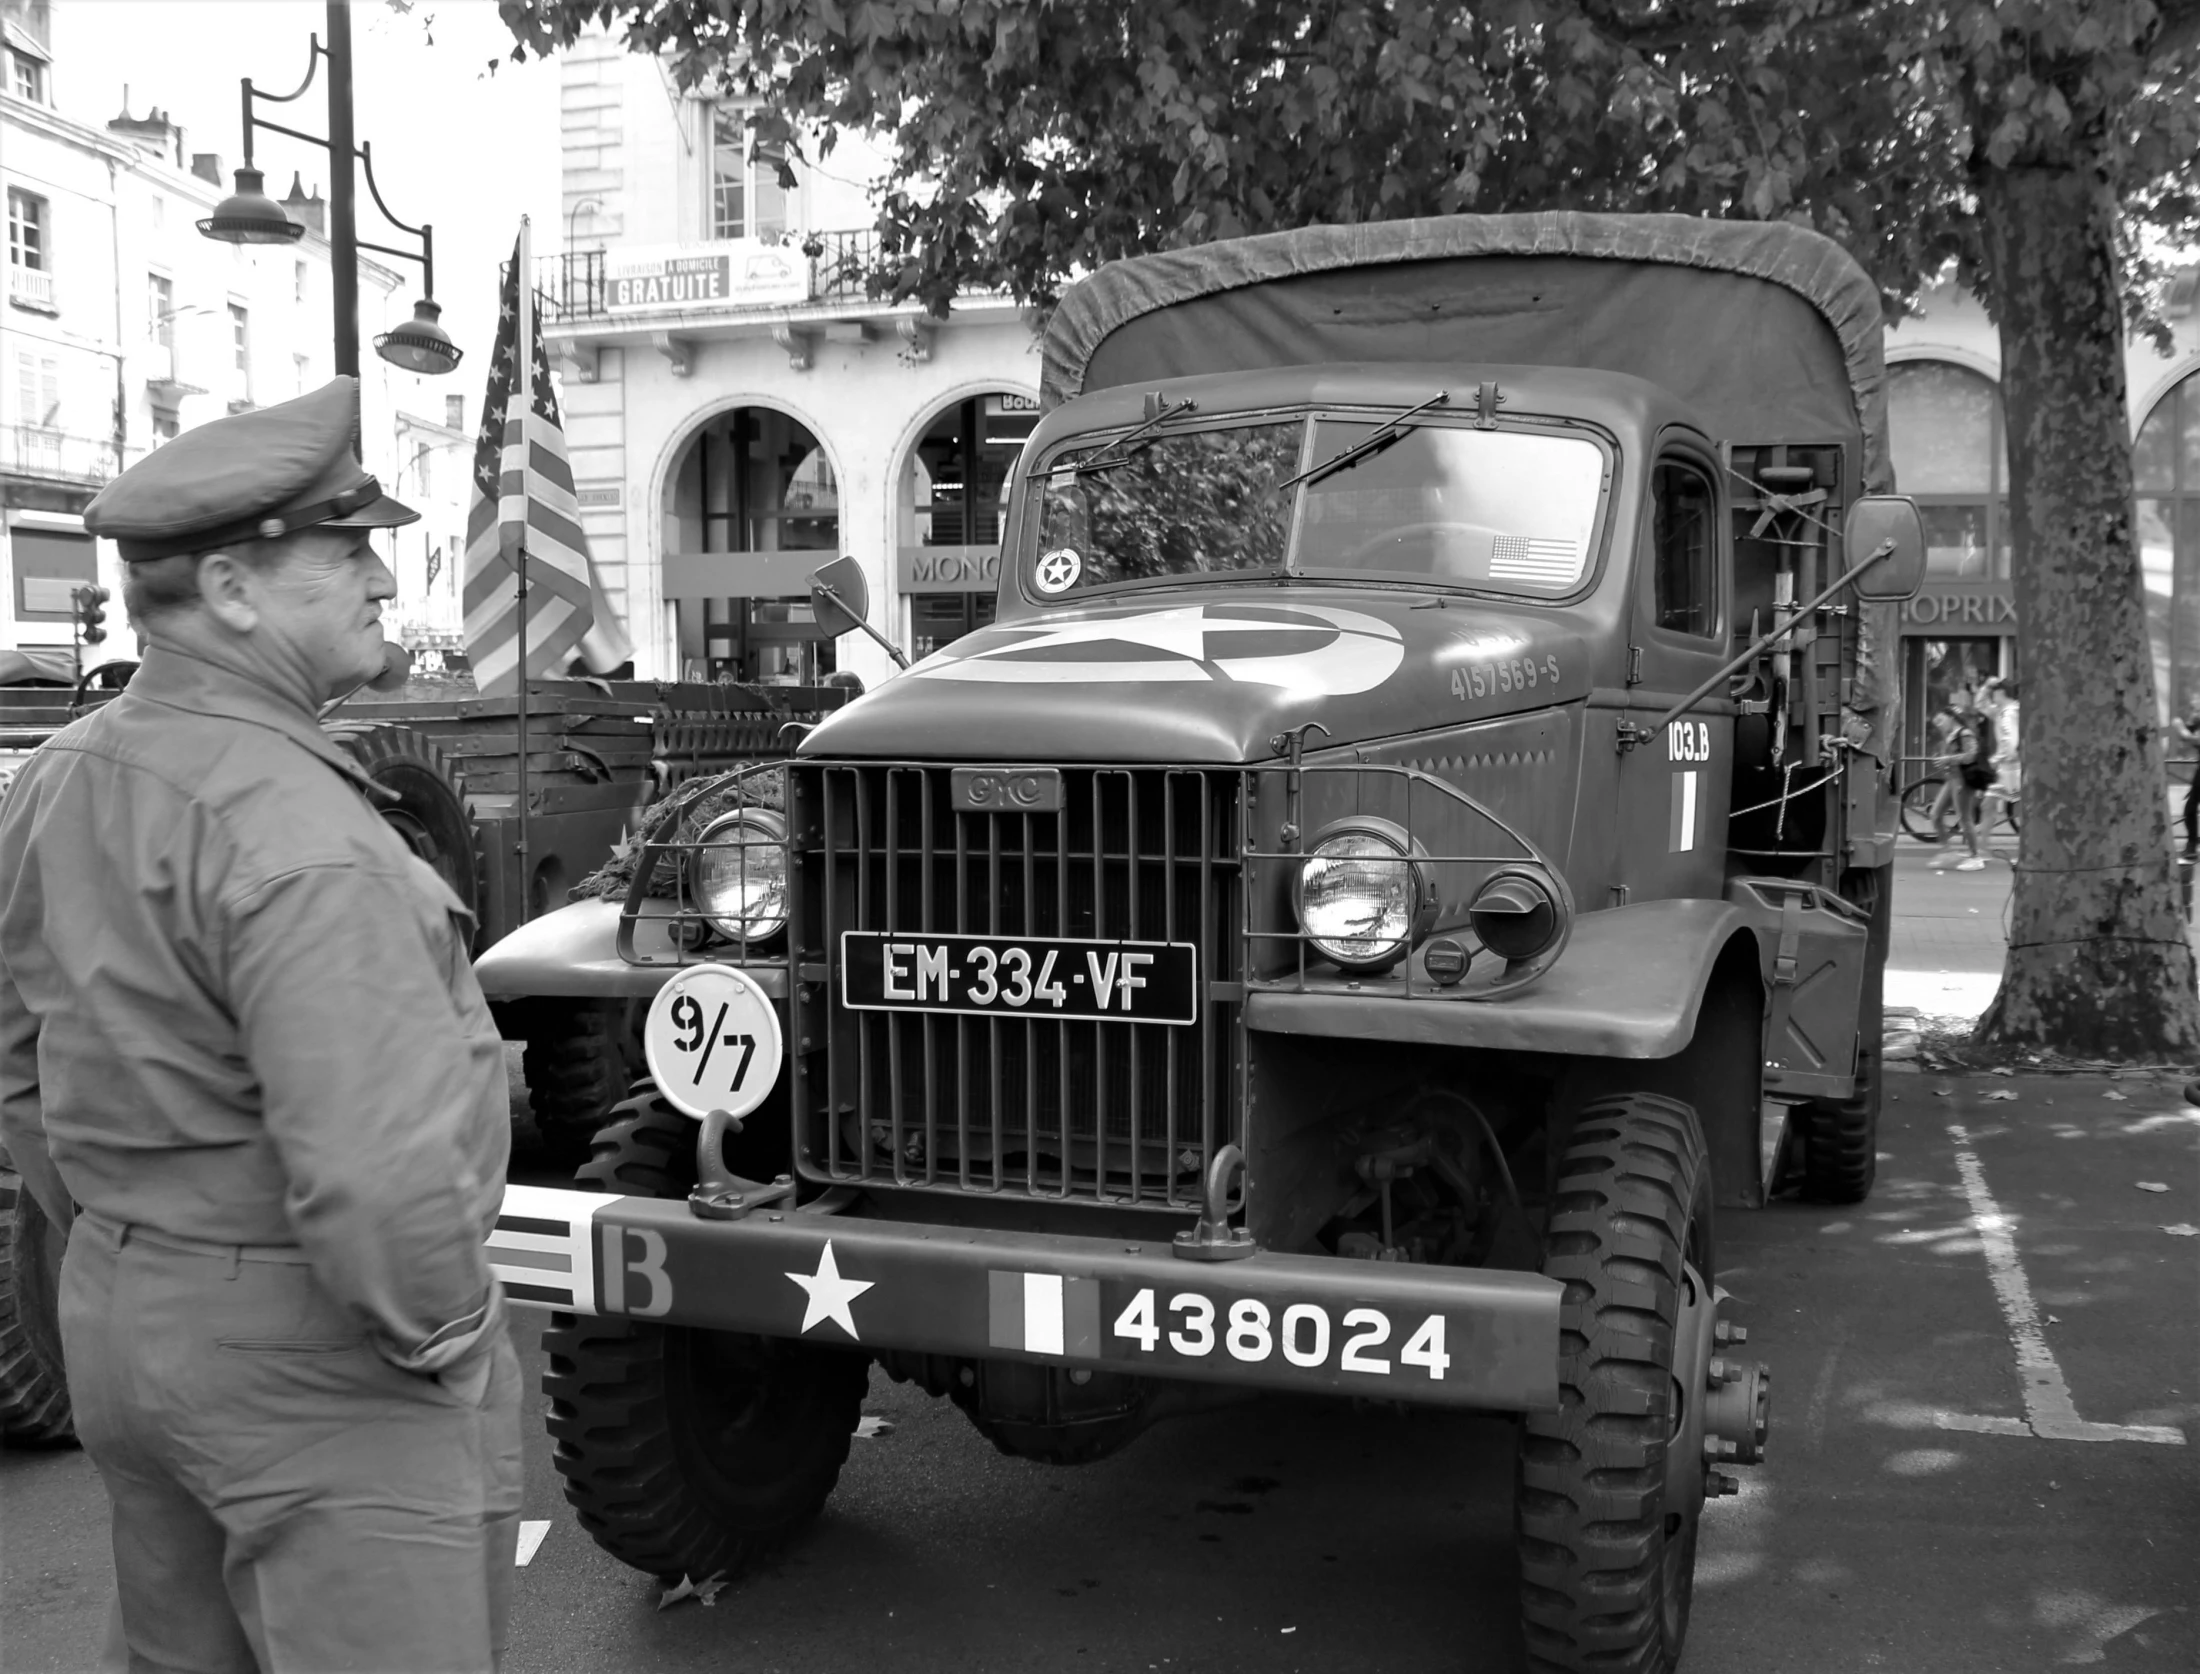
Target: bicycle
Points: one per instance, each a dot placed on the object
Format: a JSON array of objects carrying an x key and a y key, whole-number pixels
[{"x": 1930, "y": 819}]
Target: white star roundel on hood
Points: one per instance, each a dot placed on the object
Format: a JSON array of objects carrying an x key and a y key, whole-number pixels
[{"x": 1300, "y": 647}]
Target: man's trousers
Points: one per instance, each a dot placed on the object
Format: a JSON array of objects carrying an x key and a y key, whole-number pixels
[{"x": 283, "y": 1498}]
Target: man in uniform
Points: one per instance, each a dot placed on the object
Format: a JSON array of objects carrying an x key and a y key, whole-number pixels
[{"x": 240, "y": 1033}]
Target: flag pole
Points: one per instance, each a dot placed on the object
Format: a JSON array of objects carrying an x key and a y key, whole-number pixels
[{"x": 523, "y": 392}]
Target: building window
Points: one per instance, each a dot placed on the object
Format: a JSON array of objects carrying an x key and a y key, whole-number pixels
[
  {"x": 37, "y": 391},
  {"x": 29, "y": 78},
  {"x": 240, "y": 336},
  {"x": 2165, "y": 469},
  {"x": 297, "y": 281},
  {"x": 1684, "y": 574},
  {"x": 164, "y": 428},
  {"x": 746, "y": 198},
  {"x": 156, "y": 210},
  {"x": 1944, "y": 428},
  {"x": 298, "y": 374},
  {"x": 27, "y": 231},
  {"x": 160, "y": 310}
]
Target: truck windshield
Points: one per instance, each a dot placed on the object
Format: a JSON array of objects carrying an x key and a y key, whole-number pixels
[
  {"x": 1500, "y": 510},
  {"x": 1512, "y": 511},
  {"x": 1189, "y": 502}
]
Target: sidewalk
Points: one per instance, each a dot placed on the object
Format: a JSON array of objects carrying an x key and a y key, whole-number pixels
[{"x": 1950, "y": 931}]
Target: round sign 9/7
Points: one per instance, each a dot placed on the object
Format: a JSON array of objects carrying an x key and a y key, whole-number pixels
[{"x": 713, "y": 1041}]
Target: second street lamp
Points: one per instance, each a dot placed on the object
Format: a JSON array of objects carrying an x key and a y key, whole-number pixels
[{"x": 250, "y": 216}]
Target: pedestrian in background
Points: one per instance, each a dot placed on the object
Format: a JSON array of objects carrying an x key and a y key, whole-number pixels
[
  {"x": 2188, "y": 734},
  {"x": 1966, "y": 772},
  {"x": 1999, "y": 699},
  {"x": 240, "y": 1032}
]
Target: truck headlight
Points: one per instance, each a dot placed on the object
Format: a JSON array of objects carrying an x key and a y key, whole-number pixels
[
  {"x": 1517, "y": 914},
  {"x": 1361, "y": 895},
  {"x": 739, "y": 876}
]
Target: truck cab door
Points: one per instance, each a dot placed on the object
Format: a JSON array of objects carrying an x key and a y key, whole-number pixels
[{"x": 1673, "y": 787}]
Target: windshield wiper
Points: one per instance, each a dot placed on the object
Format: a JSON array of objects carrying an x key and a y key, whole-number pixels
[
  {"x": 1118, "y": 452},
  {"x": 1380, "y": 437}
]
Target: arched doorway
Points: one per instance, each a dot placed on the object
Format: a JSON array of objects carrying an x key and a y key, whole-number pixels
[
  {"x": 1950, "y": 452},
  {"x": 953, "y": 496},
  {"x": 2165, "y": 470},
  {"x": 751, "y": 508}
]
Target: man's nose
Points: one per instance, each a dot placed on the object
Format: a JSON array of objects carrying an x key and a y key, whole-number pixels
[{"x": 381, "y": 584}]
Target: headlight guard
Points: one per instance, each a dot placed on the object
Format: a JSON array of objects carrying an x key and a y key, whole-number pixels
[
  {"x": 1362, "y": 894},
  {"x": 737, "y": 875}
]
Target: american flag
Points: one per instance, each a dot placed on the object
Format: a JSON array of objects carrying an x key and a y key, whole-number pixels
[
  {"x": 523, "y": 500},
  {"x": 1534, "y": 558}
]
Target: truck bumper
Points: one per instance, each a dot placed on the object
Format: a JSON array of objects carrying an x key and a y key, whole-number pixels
[{"x": 1437, "y": 1336}]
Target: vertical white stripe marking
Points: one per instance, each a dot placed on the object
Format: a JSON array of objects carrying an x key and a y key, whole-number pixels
[
  {"x": 530, "y": 1539},
  {"x": 1043, "y": 1313},
  {"x": 1688, "y": 809},
  {"x": 2047, "y": 1403}
]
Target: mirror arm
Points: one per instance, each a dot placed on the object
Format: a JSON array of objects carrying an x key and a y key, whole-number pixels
[
  {"x": 1630, "y": 735},
  {"x": 885, "y": 644}
]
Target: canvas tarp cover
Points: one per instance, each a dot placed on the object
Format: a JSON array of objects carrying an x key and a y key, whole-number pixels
[{"x": 1771, "y": 332}]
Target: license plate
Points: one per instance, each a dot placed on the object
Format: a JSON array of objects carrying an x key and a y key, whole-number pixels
[{"x": 996, "y": 976}]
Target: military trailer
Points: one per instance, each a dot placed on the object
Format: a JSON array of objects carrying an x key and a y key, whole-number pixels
[{"x": 1414, "y": 849}]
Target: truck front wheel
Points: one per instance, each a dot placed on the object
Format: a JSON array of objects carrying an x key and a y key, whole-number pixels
[
  {"x": 34, "y": 1385},
  {"x": 689, "y": 1453},
  {"x": 1611, "y": 1486}
]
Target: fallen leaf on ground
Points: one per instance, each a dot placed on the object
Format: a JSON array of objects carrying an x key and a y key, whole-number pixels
[
  {"x": 2183, "y": 1229},
  {"x": 2152, "y": 1186},
  {"x": 869, "y": 1426},
  {"x": 688, "y": 1587},
  {"x": 2001, "y": 1093},
  {"x": 2120, "y": 1098},
  {"x": 2003, "y": 1069}
]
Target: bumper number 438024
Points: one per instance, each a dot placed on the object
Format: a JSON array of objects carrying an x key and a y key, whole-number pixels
[{"x": 1191, "y": 1326}]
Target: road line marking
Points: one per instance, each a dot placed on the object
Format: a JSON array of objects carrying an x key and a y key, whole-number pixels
[
  {"x": 530, "y": 1539},
  {"x": 2048, "y": 1409}
]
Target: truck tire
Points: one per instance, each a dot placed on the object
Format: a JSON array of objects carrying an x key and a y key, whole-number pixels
[
  {"x": 34, "y": 1387},
  {"x": 1841, "y": 1141},
  {"x": 430, "y": 810},
  {"x": 576, "y": 1070},
  {"x": 689, "y": 1453},
  {"x": 1606, "y": 1533}
]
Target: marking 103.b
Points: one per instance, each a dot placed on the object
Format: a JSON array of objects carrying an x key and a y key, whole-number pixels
[{"x": 1688, "y": 740}]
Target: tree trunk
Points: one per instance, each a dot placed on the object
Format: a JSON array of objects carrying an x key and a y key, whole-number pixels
[{"x": 2098, "y": 963}]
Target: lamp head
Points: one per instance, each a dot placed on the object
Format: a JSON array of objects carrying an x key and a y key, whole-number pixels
[
  {"x": 250, "y": 216},
  {"x": 420, "y": 344}
]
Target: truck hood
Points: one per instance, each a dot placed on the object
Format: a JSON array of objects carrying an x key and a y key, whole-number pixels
[{"x": 1213, "y": 680}]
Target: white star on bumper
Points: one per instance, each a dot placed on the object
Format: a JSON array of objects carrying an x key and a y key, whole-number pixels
[{"x": 829, "y": 1294}]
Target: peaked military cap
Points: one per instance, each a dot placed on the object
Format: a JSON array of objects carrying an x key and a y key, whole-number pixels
[{"x": 253, "y": 476}]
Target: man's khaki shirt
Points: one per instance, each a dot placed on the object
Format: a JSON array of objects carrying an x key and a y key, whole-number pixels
[{"x": 234, "y": 1007}]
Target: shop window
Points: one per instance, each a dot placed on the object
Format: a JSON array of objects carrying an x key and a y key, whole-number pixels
[
  {"x": 2165, "y": 470},
  {"x": 937, "y": 620},
  {"x": 1944, "y": 425},
  {"x": 962, "y": 466}
]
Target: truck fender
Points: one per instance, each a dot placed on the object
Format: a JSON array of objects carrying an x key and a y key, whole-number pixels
[
  {"x": 1628, "y": 986},
  {"x": 574, "y": 952}
]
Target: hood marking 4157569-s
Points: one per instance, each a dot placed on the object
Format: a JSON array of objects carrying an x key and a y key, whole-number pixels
[{"x": 1316, "y": 649}]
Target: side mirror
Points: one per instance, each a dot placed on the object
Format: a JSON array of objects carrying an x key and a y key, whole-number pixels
[
  {"x": 841, "y": 597},
  {"x": 1886, "y": 520},
  {"x": 841, "y": 600}
]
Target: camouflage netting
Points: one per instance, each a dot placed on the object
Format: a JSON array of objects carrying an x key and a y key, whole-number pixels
[{"x": 684, "y": 814}]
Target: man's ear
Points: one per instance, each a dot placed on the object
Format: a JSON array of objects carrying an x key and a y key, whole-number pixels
[{"x": 225, "y": 590}]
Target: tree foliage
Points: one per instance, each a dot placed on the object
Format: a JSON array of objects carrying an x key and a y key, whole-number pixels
[{"x": 1031, "y": 140}]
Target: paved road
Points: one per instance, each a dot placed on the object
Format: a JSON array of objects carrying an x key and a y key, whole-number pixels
[{"x": 1877, "y": 1538}]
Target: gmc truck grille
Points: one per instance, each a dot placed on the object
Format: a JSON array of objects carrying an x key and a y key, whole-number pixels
[{"x": 1117, "y": 1112}]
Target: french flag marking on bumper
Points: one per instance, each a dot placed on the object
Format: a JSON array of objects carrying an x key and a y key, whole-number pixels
[{"x": 1044, "y": 1313}]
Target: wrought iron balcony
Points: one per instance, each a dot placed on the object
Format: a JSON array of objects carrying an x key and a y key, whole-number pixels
[
  {"x": 30, "y": 450},
  {"x": 731, "y": 276}
]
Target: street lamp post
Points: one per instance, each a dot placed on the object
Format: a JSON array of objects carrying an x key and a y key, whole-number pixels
[{"x": 250, "y": 216}]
